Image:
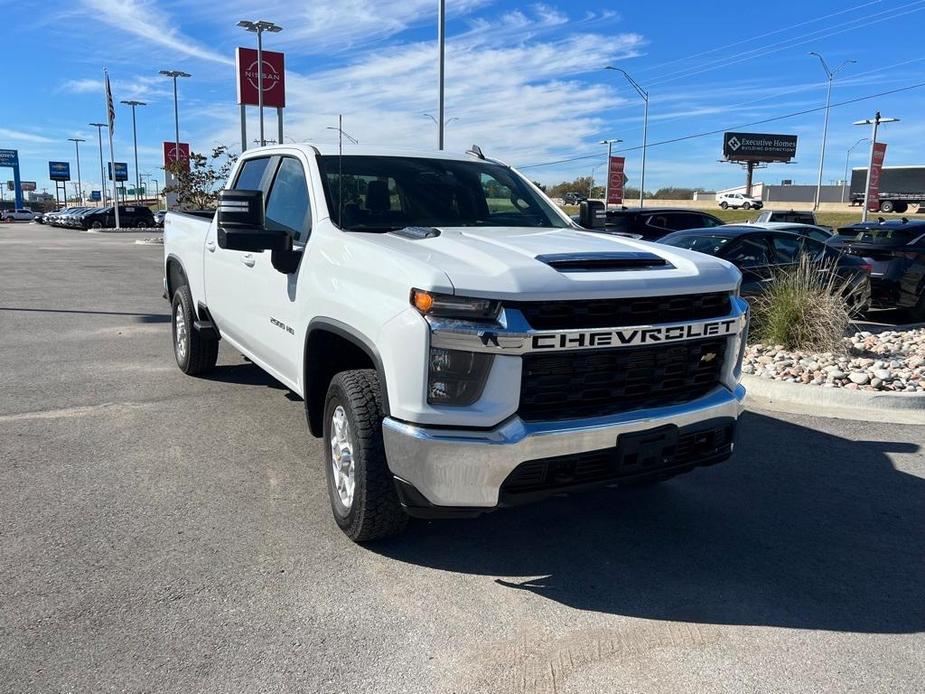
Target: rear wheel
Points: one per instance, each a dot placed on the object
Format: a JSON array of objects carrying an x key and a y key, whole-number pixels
[
  {"x": 746, "y": 206},
  {"x": 900, "y": 207},
  {"x": 724, "y": 204},
  {"x": 360, "y": 486},
  {"x": 195, "y": 353}
]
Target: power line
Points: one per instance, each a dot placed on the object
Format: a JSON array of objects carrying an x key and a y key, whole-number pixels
[
  {"x": 731, "y": 127},
  {"x": 793, "y": 42}
]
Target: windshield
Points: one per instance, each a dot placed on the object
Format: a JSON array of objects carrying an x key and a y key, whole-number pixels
[
  {"x": 387, "y": 193},
  {"x": 703, "y": 243}
]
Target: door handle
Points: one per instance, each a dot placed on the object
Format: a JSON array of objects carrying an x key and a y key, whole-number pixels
[
  {"x": 210, "y": 246},
  {"x": 248, "y": 260}
]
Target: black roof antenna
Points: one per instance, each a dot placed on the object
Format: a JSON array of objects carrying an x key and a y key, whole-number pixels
[
  {"x": 905, "y": 220},
  {"x": 475, "y": 151}
]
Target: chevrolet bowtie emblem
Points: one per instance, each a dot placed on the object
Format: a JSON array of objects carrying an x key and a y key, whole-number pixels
[{"x": 708, "y": 357}]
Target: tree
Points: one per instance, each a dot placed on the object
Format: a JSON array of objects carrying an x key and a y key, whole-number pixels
[{"x": 197, "y": 182}]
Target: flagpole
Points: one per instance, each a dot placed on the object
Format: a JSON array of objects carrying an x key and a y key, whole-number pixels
[{"x": 110, "y": 114}]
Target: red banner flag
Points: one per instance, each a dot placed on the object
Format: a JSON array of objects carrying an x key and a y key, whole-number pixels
[
  {"x": 873, "y": 190},
  {"x": 615, "y": 180},
  {"x": 274, "y": 78}
]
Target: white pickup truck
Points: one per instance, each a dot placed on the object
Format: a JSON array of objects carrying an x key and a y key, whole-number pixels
[{"x": 460, "y": 344}]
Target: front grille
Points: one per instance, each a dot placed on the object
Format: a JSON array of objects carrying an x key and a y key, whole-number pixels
[
  {"x": 615, "y": 313},
  {"x": 703, "y": 446},
  {"x": 595, "y": 383}
]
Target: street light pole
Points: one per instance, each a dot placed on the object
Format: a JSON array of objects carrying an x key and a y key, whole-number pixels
[
  {"x": 133, "y": 104},
  {"x": 830, "y": 77},
  {"x": 844, "y": 185},
  {"x": 80, "y": 187},
  {"x": 258, "y": 28},
  {"x": 645, "y": 128},
  {"x": 441, "y": 50},
  {"x": 99, "y": 131},
  {"x": 176, "y": 112},
  {"x": 874, "y": 123},
  {"x": 609, "y": 144}
]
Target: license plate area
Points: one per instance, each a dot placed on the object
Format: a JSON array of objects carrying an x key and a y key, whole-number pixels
[{"x": 646, "y": 451}]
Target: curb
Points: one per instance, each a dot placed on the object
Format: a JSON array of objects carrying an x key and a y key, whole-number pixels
[{"x": 865, "y": 406}]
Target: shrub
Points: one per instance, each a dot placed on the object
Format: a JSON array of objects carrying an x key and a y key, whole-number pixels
[{"x": 806, "y": 307}]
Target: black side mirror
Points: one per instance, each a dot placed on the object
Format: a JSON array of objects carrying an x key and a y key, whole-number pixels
[
  {"x": 592, "y": 215},
  {"x": 241, "y": 223}
]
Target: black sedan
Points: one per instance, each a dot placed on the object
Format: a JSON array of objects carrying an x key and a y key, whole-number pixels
[
  {"x": 649, "y": 223},
  {"x": 760, "y": 253},
  {"x": 130, "y": 216},
  {"x": 896, "y": 252}
]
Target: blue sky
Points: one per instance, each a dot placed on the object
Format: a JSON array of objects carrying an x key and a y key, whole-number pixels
[{"x": 524, "y": 80}]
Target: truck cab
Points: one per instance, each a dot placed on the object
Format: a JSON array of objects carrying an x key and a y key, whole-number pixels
[{"x": 459, "y": 343}]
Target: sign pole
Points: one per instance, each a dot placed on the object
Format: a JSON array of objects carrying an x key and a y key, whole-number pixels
[
  {"x": 607, "y": 180},
  {"x": 243, "y": 129},
  {"x": 263, "y": 141},
  {"x": 279, "y": 123},
  {"x": 870, "y": 164}
]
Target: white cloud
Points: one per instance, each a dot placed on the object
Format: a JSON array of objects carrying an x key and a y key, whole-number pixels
[
  {"x": 516, "y": 99},
  {"x": 23, "y": 136},
  {"x": 144, "y": 19}
]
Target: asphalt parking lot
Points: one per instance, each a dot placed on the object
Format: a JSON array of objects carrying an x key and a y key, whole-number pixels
[{"x": 165, "y": 533}]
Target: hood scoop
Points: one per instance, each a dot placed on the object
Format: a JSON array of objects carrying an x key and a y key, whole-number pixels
[
  {"x": 417, "y": 233},
  {"x": 604, "y": 262}
]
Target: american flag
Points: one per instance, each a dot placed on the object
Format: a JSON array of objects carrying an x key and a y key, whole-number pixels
[{"x": 110, "y": 109}]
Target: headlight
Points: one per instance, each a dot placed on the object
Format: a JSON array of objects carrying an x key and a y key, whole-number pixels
[
  {"x": 459, "y": 307},
  {"x": 455, "y": 377}
]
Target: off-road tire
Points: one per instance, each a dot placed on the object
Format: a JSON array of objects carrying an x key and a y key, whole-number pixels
[
  {"x": 375, "y": 511},
  {"x": 200, "y": 352}
]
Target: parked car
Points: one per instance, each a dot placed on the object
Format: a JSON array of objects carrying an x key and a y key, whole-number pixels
[
  {"x": 573, "y": 198},
  {"x": 65, "y": 217},
  {"x": 159, "y": 218},
  {"x": 896, "y": 253},
  {"x": 17, "y": 215},
  {"x": 795, "y": 216},
  {"x": 737, "y": 200},
  {"x": 649, "y": 223},
  {"x": 761, "y": 253},
  {"x": 130, "y": 216},
  {"x": 39, "y": 218},
  {"x": 455, "y": 355},
  {"x": 823, "y": 234}
]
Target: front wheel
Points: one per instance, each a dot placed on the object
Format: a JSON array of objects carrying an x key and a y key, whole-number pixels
[
  {"x": 195, "y": 353},
  {"x": 360, "y": 486},
  {"x": 746, "y": 206},
  {"x": 886, "y": 206}
]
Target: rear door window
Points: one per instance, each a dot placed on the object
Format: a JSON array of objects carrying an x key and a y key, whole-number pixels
[
  {"x": 749, "y": 252},
  {"x": 786, "y": 249}
]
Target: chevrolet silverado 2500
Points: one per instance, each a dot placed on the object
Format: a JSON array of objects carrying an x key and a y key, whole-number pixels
[{"x": 459, "y": 343}]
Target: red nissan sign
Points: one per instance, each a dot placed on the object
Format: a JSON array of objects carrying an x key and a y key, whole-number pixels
[
  {"x": 274, "y": 78},
  {"x": 873, "y": 190},
  {"x": 171, "y": 155},
  {"x": 615, "y": 180}
]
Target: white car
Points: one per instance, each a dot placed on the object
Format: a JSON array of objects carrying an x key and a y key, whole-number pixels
[
  {"x": 19, "y": 215},
  {"x": 737, "y": 200},
  {"x": 459, "y": 343}
]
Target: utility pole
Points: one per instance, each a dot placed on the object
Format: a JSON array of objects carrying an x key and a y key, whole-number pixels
[
  {"x": 77, "y": 141},
  {"x": 844, "y": 185},
  {"x": 441, "y": 51},
  {"x": 830, "y": 77},
  {"x": 133, "y": 104},
  {"x": 874, "y": 123}
]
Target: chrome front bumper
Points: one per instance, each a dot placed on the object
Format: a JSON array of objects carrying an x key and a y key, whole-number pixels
[{"x": 466, "y": 468}]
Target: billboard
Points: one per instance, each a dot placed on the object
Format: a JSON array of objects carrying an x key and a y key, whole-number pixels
[
  {"x": 121, "y": 170},
  {"x": 274, "y": 78},
  {"x": 759, "y": 147},
  {"x": 59, "y": 171},
  {"x": 96, "y": 195},
  {"x": 873, "y": 189},
  {"x": 30, "y": 186},
  {"x": 615, "y": 180},
  {"x": 170, "y": 153},
  {"x": 9, "y": 157}
]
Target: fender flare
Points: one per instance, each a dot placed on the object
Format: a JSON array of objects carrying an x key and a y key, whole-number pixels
[{"x": 355, "y": 337}]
